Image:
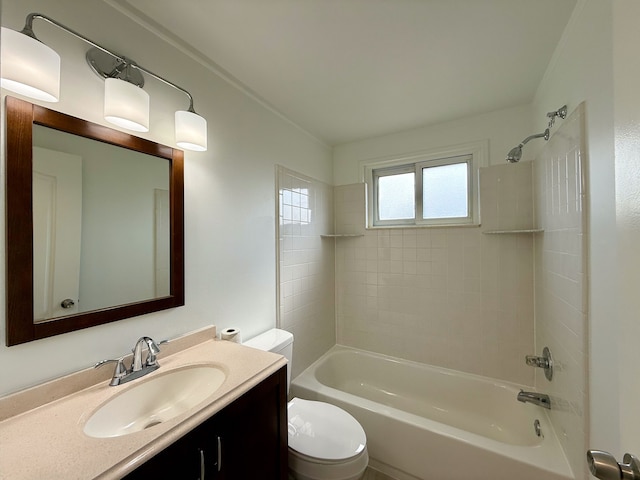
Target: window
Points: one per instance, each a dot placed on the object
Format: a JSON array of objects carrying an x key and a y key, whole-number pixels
[{"x": 430, "y": 189}]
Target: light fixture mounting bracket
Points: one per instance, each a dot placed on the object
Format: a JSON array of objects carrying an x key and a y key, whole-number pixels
[{"x": 107, "y": 66}]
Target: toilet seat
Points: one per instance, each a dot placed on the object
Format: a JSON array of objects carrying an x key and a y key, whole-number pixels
[{"x": 323, "y": 432}]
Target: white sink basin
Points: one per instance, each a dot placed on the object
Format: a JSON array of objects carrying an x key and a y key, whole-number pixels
[{"x": 153, "y": 401}]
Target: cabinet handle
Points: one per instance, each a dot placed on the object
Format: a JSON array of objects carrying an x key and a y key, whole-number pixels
[
  {"x": 201, "y": 464},
  {"x": 219, "y": 454}
]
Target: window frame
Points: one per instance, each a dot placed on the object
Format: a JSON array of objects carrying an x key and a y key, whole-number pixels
[{"x": 474, "y": 154}]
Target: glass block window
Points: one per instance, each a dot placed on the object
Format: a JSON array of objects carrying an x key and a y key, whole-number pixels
[{"x": 294, "y": 208}]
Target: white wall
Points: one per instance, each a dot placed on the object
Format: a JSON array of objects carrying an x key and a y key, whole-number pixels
[
  {"x": 626, "y": 69},
  {"x": 229, "y": 190},
  {"x": 582, "y": 70}
]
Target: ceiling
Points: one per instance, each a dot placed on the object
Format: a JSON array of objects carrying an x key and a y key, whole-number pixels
[{"x": 345, "y": 70}]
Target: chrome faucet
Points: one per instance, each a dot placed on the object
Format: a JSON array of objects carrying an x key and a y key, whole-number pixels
[
  {"x": 536, "y": 398},
  {"x": 123, "y": 375},
  {"x": 136, "y": 362}
]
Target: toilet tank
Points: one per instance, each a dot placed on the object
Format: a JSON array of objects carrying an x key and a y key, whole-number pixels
[{"x": 276, "y": 341}]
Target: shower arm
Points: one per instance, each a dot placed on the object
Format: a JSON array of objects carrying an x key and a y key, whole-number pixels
[
  {"x": 515, "y": 153},
  {"x": 544, "y": 135}
]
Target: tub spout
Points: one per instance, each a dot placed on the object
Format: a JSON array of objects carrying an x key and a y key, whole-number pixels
[{"x": 536, "y": 398}]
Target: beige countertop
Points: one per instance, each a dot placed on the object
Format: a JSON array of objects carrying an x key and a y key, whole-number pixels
[{"x": 46, "y": 441}]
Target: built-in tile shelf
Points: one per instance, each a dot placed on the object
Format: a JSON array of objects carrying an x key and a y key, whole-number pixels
[
  {"x": 342, "y": 235},
  {"x": 501, "y": 232}
]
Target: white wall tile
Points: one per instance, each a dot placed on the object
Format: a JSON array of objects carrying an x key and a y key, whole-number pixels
[
  {"x": 436, "y": 296},
  {"x": 306, "y": 277},
  {"x": 561, "y": 294}
]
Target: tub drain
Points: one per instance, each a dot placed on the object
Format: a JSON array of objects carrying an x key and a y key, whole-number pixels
[{"x": 537, "y": 428}]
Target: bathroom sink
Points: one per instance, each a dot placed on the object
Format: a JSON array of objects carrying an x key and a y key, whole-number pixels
[{"x": 155, "y": 400}]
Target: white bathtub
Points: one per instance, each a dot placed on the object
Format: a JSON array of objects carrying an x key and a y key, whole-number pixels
[{"x": 431, "y": 423}]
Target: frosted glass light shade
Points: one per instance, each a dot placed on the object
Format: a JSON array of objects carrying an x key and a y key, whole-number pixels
[
  {"x": 126, "y": 105},
  {"x": 29, "y": 67},
  {"x": 191, "y": 131}
]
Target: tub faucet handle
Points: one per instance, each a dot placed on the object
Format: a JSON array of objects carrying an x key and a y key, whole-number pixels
[
  {"x": 545, "y": 362},
  {"x": 535, "y": 361}
]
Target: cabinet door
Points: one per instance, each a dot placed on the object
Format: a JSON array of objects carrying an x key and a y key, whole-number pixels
[
  {"x": 181, "y": 460},
  {"x": 254, "y": 433}
]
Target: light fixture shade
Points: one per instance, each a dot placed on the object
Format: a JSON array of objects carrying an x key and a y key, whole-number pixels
[
  {"x": 126, "y": 105},
  {"x": 29, "y": 67},
  {"x": 191, "y": 131}
]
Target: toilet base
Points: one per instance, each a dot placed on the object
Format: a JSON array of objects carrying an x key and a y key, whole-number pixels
[{"x": 302, "y": 467}]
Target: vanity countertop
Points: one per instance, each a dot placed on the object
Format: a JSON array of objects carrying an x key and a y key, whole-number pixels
[{"x": 47, "y": 441}]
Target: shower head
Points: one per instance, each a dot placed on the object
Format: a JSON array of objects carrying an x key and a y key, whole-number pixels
[{"x": 515, "y": 154}]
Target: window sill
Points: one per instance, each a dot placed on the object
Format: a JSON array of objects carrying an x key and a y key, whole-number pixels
[
  {"x": 502, "y": 232},
  {"x": 342, "y": 235},
  {"x": 444, "y": 225}
]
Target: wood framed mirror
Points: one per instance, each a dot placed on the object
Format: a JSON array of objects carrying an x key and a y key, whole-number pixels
[{"x": 131, "y": 255}]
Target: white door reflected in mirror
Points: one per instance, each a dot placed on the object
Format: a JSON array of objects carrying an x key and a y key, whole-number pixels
[{"x": 57, "y": 233}]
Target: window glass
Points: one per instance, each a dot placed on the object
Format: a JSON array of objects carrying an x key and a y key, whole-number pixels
[
  {"x": 445, "y": 191},
  {"x": 396, "y": 196}
]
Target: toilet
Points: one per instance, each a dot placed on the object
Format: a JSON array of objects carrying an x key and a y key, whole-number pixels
[{"x": 325, "y": 442}]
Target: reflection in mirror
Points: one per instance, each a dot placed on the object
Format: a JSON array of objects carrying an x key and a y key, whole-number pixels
[
  {"x": 100, "y": 225},
  {"x": 94, "y": 224}
]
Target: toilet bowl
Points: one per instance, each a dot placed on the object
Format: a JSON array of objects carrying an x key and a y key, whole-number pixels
[{"x": 325, "y": 442}]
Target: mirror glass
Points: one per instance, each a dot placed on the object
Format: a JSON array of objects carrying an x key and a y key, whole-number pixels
[
  {"x": 100, "y": 225},
  {"x": 94, "y": 224}
]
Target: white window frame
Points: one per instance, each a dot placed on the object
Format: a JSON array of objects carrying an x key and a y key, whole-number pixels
[{"x": 475, "y": 154}]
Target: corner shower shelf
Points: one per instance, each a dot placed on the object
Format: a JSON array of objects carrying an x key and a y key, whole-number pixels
[
  {"x": 342, "y": 235},
  {"x": 500, "y": 232}
]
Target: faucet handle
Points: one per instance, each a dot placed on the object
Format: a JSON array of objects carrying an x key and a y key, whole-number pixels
[
  {"x": 154, "y": 350},
  {"x": 119, "y": 372}
]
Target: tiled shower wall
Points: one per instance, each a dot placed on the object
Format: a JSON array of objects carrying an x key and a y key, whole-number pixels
[
  {"x": 453, "y": 297},
  {"x": 561, "y": 282},
  {"x": 306, "y": 301}
]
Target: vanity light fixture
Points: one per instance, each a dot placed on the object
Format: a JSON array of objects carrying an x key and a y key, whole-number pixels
[
  {"x": 40, "y": 77},
  {"x": 126, "y": 105},
  {"x": 32, "y": 69}
]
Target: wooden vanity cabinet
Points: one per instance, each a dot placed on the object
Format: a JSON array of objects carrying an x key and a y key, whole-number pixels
[{"x": 247, "y": 440}]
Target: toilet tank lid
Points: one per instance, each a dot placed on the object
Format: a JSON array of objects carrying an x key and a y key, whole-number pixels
[{"x": 272, "y": 340}]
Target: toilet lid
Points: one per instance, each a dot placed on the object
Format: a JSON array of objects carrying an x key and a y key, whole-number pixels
[{"x": 323, "y": 431}]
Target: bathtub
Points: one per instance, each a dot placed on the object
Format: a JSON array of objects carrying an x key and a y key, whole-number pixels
[{"x": 430, "y": 423}]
